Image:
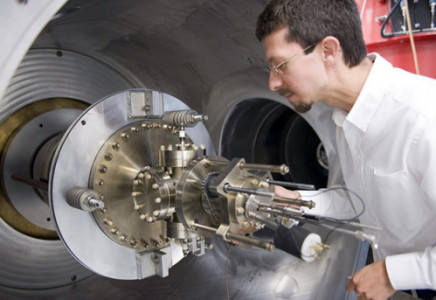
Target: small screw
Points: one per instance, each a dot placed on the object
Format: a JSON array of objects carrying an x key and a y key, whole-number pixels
[
  {"x": 103, "y": 169},
  {"x": 108, "y": 221},
  {"x": 108, "y": 156},
  {"x": 240, "y": 210},
  {"x": 116, "y": 145}
]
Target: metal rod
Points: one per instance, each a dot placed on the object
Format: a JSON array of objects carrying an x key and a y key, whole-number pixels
[
  {"x": 247, "y": 240},
  {"x": 307, "y": 203},
  {"x": 227, "y": 187},
  {"x": 292, "y": 185},
  {"x": 267, "y": 221},
  {"x": 205, "y": 228},
  {"x": 282, "y": 169},
  {"x": 236, "y": 237},
  {"x": 282, "y": 209},
  {"x": 30, "y": 181},
  {"x": 283, "y": 213}
]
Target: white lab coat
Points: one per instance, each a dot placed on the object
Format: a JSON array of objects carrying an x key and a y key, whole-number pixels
[{"x": 387, "y": 151}]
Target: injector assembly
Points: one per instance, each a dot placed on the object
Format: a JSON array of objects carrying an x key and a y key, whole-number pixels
[{"x": 134, "y": 182}]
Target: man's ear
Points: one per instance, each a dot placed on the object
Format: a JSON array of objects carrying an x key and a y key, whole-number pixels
[{"x": 330, "y": 48}]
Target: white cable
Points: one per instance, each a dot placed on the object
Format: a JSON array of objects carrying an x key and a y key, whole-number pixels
[{"x": 362, "y": 9}]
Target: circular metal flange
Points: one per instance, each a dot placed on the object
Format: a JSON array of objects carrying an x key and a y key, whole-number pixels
[
  {"x": 154, "y": 195},
  {"x": 136, "y": 197},
  {"x": 188, "y": 207},
  {"x": 239, "y": 204},
  {"x": 72, "y": 167},
  {"x": 24, "y": 136},
  {"x": 30, "y": 244}
]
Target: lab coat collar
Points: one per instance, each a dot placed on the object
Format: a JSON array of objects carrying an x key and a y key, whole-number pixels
[{"x": 369, "y": 98}]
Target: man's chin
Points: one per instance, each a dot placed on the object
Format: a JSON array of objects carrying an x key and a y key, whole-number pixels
[{"x": 302, "y": 108}]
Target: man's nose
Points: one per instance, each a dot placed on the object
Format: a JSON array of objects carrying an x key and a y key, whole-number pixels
[{"x": 274, "y": 81}]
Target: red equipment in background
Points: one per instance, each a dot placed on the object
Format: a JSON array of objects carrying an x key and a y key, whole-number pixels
[{"x": 396, "y": 46}]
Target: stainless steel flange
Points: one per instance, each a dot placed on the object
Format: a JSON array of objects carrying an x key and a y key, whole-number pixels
[{"x": 73, "y": 164}]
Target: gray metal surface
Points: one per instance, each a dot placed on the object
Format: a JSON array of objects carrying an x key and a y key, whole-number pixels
[
  {"x": 19, "y": 159},
  {"x": 72, "y": 166},
  {"x": 27, "y": 262},
  {"x": 252, "y": 274},
  {"x": 180, "y": 47},
  {"x": 205, "y": 54},
  {"x": 21, "y": 23},
  {"x": 30, "y": 263}
]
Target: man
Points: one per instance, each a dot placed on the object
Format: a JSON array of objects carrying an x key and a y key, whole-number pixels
[{"x": 386, "y": 132}]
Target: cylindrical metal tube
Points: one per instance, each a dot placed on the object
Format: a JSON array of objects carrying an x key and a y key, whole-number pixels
[
  {"x": 268, "y": 222},
  {"x": 243, "y": 239},
  {"x": 247, "y": 240},
  {"x": 306, "y": 203},
  {"x": 204, "y": 227},
  {"x": 280, "y": 210},
  {"x": 283, "y": 212},
  {"x": 228, "y": 187},
  {"x": 282, "y": 169},
  {"x": 292, "y": 185},
  {"x": 31, "y": 182},
  {"x": 186, "y": 118},
  {"x": 85, "y": 199}
]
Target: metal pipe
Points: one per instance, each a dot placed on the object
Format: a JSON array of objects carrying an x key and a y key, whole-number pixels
[
  {"x": 247, "y": 240},
  {"x": 267, "y": 221},
  {"x": 292, "y": 185},
  {"x": 227, "y": 187},
  {"x": 282, "y": 169},
  {"x": 307, "y": 203},
  {"x": 236, "y": 237},
  {"x": 282, "y": 209},
  {"x": 30, "y": 181},
  {"x": 204, "y": 227}
]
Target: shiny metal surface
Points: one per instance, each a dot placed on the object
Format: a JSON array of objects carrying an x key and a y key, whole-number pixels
[
  {"x": 252, "y": 274},
  {"x": 19, "y": 159},
  {"x": 205, "y": 54},
  {"x": 24, "y": 135},
  {"x": 187, "y": 206},
  {"x": 32, "y": 263},
  {"x": 122, "y": 174},
  {"x": 75, "y": 155},
  {"x": 34, "y": 260},
  {"x": 21, "y": 22}
]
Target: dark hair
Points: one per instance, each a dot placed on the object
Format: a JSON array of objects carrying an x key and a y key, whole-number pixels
[{"x": 309, "y": 21}]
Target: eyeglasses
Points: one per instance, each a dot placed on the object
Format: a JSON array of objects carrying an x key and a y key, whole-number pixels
[{"x": 276, "y": 68}]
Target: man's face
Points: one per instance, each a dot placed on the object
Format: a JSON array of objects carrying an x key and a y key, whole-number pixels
[{"x": 295, "y": 79}]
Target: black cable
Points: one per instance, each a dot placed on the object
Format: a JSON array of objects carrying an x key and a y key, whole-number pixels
[
  {"x": 349, "y": 191},
  {"x": 385, "y": 22}
]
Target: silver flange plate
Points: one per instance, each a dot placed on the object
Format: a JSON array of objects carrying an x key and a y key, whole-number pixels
[
  {"x": 127, "y": 177},
  {"x": 72, "y": 167}
]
